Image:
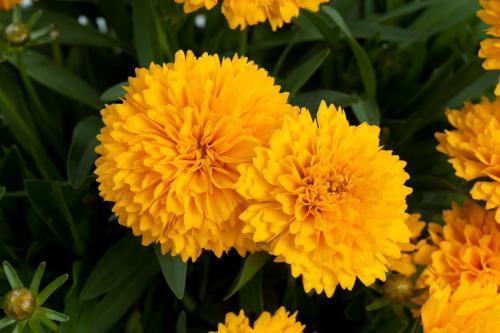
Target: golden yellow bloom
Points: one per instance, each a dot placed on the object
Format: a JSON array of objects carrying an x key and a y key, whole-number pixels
[
  {"x": 475, "y": 148},
  {"x": 490, "y": 14},
  {"x": 490, "y": 48},
  {"x": 327, "y": 199},
  {"x": 472, "y": 308},
  {"x": 169, "y": 151},
  {"x": 281, "y": 322},
  {"x": 468, "y": 248},
  {"x": 250, "y": 12},
  {"x": 406, "y": 264},
  {"x": 8, "y": 4}
]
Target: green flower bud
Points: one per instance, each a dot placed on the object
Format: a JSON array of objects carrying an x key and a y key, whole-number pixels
[
  {"x": 398, "y": 288},
  {"x": 19, "y": 303},
  {"x": 17, "y": 33}
]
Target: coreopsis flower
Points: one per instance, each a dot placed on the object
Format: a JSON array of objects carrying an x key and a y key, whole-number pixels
[
  {"x": 406, "y": 264},
  {"x": 472, "y": 308},
  {"x": 280, "y": 322},
  {"x": 169, "y": 151},
  {"x": 243, "y": 13},
  {"x": 468, "y": 248},
  {"x": 490, "y": 14},
  {"x": 8, "y": 4},
  {"x": 474, "y": 148},
  {"x": 490, "y": 47},
  {"x": 327, "y": 200}
]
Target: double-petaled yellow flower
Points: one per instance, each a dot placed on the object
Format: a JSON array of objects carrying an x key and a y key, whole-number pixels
[
  {"x": 472, "y": 308},
  {"x": 490, "y": 47},
  {"x": 280, "y": 322},
  {"x": 474, "y": 148},
  {"x": 468, "y": 248},
  {"x": 242, "y": 13},
  {"x": 169, "y": 151},
  {"x": 327, "y": 200}
]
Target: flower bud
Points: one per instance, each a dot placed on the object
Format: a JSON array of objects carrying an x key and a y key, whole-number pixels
[
  {"x": 17, "y": 34},
  {"x": 398, "y": 288},
  {"x": 19, "y": 303}
]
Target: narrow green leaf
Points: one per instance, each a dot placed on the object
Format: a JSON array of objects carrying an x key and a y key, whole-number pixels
[
  {"x": 406, "y": 9},
  {"x": 114, "y": 93},
  {"x": 145, "y": 33},
  {"x": 58, "y": 78},
  {"x": 34, "y": 18},
  {"x": 54, "y": 315},
  {"x": 81, "y": 156},
  {"x": 37, "y": 278},
  {"x": 49, "y": 290},
  {"x": 377, "y": 304},
  {"x": 34, "y": 325},
  {"x": 181, "y": 326},
  {"x": 48, "y": 201},
  {"x": 174, "y": 271},
  {"x": 113, "y": 267},
  {"x": 301, "y": 74},
  {"x": 12, "y": 277},
  {"x": 6, "y": 321},
  {"x": 312, "y": 99},
  {"x": 366, "y": 110},
  {"x": 115, "y": 304},
  {"x": 250, "y": 295},
  {"x": 251, "y": 266},
  {"x": 47, "y": 323},
  {"x": 2, "y": 192},
  {"x": 20, "y": 326}
]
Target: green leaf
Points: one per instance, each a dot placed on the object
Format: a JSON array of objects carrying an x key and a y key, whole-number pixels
[
  {"x": 312, "y": 99},
  {"x": 301, "y": 74},
  {"x": 6, "y": 321},
  {"x": 114, "y": 93},
  {"x": 113, "y": 267},
  {"x": 366, "y": 110},
  {"x": 145, "y": 33},
  {"x": 377, "y": 304},
  {"x": 34, "y": 325},
  {"x": 82, "y": 155},
  {"x": 48, "y": 201},
  {"x": 250, "y": 295},
  {"x": 53, "y": 315},
  {"x": 49, "y": 290},
  {"x": 251, "y": 266},
  {"x": 12, "y": 277},
  {"x": 20, "y": 326},
  {"x": 37, "y": 278},
  {"x": 174, "y": 271},
  {"x": 2, "y": 192},
  {"x": 58, "y": 78},
  {"x": 122, "y": 297},
  {"x": 181, "y": 326}
]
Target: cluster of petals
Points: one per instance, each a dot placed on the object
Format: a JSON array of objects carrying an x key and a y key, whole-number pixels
[
  {"x": 243, "y": 13},
  {"x": 415, "y": 252},
  {"x": 468, "y": 248},
  {"x": 474, "y": 148},
  {"x": 8, "y": 4},
  {"x": 279, "y": 322},
  {"x": 490, "y": 47},
  {"x": 472, "y": 308},
  {"x": 169, "y": 151},
  {"x": 327, "y": 200}
]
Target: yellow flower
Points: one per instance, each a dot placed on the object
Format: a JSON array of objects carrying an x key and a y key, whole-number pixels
[
  {"x": 468, "y": 248},
  {"x": 281, "y": 322},
  {"x": 169, "y": 151},
  {"x": 472, "y": 308},
  {"x": 475, "y": 148},
  {"x": 250, "y": 12},
  {"x": 490, "y": 48},
  {"x": 490, "y": 14},
  {"x": 327, "y": 200},
  {"x": 406, "y": 264},
  {"x": 8, "y": 4}
]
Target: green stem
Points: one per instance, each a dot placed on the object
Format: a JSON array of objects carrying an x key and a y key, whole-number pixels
[{"x": 242, "y": 48}]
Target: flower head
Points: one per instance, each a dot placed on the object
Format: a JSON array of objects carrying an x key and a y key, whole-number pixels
[
  {"x": 169, "y": 151},
  {"x": 328, "y": 200},
  {"x": 468, "y": 248},
  {"x": 471, "y": 308},
  {"x": 490, "y": 14},
  {"x": 474, "y": 148},
  {"x": 280, "y": 322},
  {"x": 8, "y": 4},
  {"x": 250, "y": 12}
]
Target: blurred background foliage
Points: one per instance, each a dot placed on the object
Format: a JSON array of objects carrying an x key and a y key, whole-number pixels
[{"x": 397, "y": 63}]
